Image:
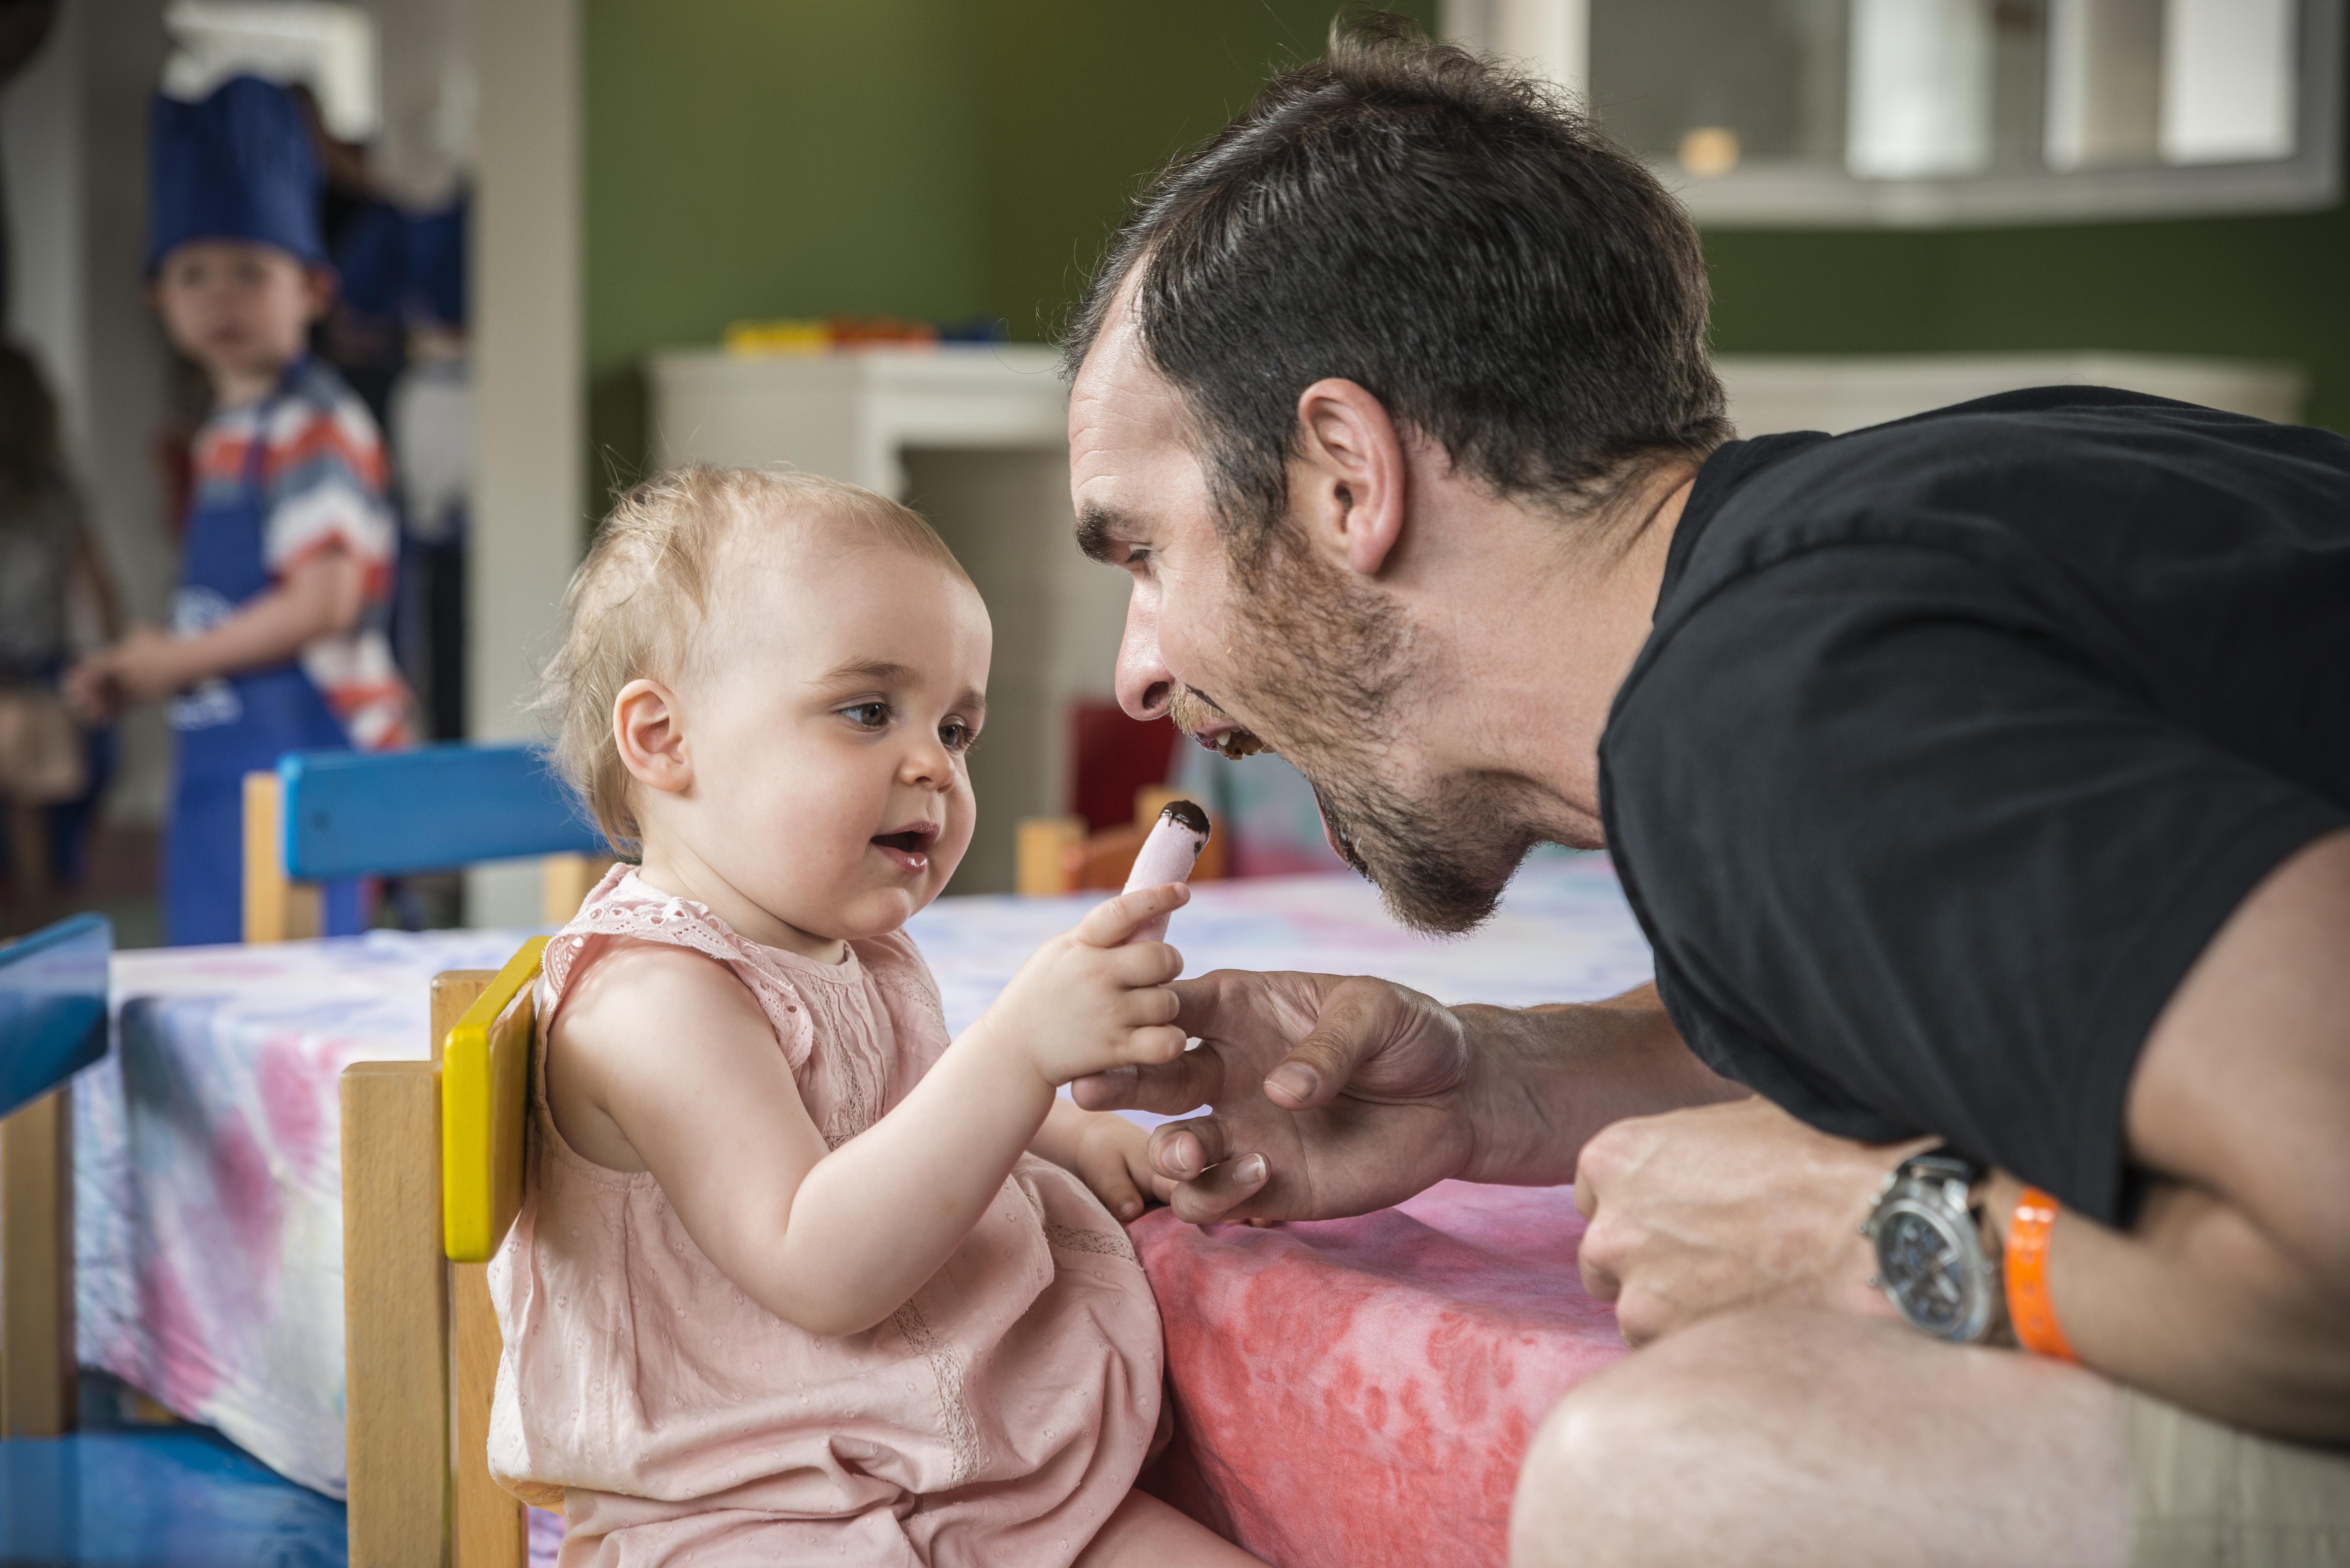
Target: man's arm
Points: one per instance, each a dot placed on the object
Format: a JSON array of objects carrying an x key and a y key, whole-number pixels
[
  {"x": 2231, "y": 1293},
  {"x": 1331, "y": 1096}
]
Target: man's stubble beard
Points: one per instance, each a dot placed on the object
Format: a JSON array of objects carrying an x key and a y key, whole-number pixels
[{"x": 1335, "y": 663}]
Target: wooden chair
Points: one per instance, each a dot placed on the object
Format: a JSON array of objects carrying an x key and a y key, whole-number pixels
[
  {"x": 1057, "y": 857},
  {"x": 433, "y": 1177},
  {"x": 324, "y": 815},
  {"x": 52, "y": 1025}
]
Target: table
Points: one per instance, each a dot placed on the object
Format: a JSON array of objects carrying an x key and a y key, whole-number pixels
[{"x": 209, "y": 1223}]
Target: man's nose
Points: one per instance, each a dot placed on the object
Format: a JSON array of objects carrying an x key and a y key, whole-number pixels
[{"x": 1144, "y": 686}]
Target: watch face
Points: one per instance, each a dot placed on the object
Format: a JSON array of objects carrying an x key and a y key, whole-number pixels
[{"x": 1925, "y": 1272}]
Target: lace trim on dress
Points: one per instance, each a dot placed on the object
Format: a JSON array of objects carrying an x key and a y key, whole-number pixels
[
  {"x": 947, "y": 1386},
  {"x": 1101, "y": 1243}
]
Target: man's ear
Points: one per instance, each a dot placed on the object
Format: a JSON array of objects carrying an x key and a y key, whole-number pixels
[
  {"x": 650, "y": 731},
  {"x": 1348, "y": 479}
]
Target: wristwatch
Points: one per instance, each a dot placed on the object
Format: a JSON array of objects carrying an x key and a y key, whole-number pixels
[{"x": 1931, "y": 1260}]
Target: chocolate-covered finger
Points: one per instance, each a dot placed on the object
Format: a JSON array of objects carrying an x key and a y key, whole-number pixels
[{"x": 1168, "y": 854}]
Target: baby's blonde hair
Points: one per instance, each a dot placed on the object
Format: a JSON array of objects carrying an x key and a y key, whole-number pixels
[{"x": 646, "y": 589}]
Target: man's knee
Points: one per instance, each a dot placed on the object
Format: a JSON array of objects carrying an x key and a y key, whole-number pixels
[{"x": 1605, "y": 1454}]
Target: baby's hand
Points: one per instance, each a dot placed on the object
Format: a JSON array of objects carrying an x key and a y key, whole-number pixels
[
  {"x": 1087, "y": 1003},
  {"x": 1113, "y": 1157}
]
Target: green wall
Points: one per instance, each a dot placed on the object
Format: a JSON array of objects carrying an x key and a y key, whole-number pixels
[
  {"x": 948, "y": 158},
  {"x": 924, "y": 158},
  {"x": 2264, "y": 288}
]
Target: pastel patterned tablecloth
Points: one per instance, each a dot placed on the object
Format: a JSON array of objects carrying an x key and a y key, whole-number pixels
[{"x": 208, "y": 1226}]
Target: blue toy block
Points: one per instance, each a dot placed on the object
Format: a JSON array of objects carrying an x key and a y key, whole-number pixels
[
  {"x": 353, "y": 814},
  {"x": 52, "y": 1006}
]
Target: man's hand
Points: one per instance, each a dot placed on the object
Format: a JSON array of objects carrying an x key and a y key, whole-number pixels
[
  {"x": 1336, "y": 1097},
  {"x": 1698, "y": 1211},
  {"x": 1329, "y": 1095}
]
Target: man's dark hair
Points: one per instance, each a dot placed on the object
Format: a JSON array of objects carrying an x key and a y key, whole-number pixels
[{"x": 1445, "y": 231}]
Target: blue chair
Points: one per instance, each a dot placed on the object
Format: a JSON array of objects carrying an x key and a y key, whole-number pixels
[
  {"x": 325, "y": 816},
  {"x": 52, "y": 1025}
]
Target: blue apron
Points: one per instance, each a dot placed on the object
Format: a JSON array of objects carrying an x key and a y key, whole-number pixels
[{"x": 228, "y": 727}]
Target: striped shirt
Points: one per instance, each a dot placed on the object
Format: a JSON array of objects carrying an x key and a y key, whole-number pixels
[{"x": 323, "y": 475}]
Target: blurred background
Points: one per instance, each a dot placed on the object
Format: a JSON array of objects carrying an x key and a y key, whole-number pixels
[{"x": 582, "y": 239}]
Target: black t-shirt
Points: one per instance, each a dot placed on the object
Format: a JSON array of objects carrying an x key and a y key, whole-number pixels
[{"x": 1957, "y": 739}]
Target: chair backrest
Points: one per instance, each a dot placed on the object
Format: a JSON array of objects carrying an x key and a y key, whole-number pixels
[
  {"x": 433, "y": 1177},
  {"x": 381, "y": 814},
  {"x": 52, "y": 1006},
  {"x": 52, "y": 1024},
  {"x": 325, "y": 815},
  {"x": 484, "y": 1107}
]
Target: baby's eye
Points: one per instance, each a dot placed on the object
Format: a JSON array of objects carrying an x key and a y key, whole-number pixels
[
  {"x": 868, "y": 715},
  {"x": 958, "y": 736}
]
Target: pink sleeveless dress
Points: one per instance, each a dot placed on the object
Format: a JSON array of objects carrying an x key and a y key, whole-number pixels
[{"x": 996, "y": 1419}]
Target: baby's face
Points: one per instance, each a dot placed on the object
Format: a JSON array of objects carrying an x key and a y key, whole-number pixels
[{"x": 829, "y": 732}]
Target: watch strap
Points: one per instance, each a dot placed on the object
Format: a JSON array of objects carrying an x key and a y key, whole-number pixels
[{"x": 2030, "y": 1309}]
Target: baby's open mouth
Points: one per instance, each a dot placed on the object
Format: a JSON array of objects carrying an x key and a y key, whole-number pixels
[{"x": 909, "y": 847}]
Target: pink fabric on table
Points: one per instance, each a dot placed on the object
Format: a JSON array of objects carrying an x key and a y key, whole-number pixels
[{"x": 1355, "y": 1391}]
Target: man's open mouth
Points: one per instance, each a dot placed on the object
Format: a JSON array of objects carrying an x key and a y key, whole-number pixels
[
  {"x": 1235, "y": 744},
  {"x": 908, "y": 847}
]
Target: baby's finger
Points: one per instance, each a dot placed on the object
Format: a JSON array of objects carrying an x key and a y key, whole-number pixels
[
  {"x": 1150, "y": 1004},
  {"x": 1114, "y": 1185},
  {"x": 1216, "y": 1193},
  {"x": 1112, "y": 920},
  {"x": 1145, "y": 963},
  {"x": 1157, "y": 1043}
]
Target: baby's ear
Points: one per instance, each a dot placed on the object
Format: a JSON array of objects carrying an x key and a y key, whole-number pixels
[{"x": 649, "y": 729}]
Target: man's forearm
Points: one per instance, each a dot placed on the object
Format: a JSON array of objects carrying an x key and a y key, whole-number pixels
[
  {"x": 2197, "y": 1305},
  {"x": 1550, "y": 1077}
]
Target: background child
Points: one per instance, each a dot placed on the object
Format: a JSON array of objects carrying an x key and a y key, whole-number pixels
[
  {"x": 789, "y": 1284},
  {"x": 277, "y": 639}
]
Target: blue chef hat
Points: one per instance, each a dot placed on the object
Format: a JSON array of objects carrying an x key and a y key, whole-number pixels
[{"x": 237, "y": 166}]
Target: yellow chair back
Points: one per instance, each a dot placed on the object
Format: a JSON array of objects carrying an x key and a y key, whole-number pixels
[{"x": 484, "y": 1104}]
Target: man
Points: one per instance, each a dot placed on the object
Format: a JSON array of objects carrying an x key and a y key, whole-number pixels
[{"x": 1981, "y": 782}]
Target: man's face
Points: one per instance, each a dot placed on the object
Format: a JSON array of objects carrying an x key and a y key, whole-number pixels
[{"x": 1279, "y": 646}]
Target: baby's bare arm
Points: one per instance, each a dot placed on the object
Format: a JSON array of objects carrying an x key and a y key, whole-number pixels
[{"x": 661, "y": 1061}]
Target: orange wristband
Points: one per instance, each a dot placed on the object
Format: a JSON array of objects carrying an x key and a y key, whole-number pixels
[{"x": 2029, "y": 1310}]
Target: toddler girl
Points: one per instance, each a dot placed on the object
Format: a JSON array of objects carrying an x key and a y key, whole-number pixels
[{"x": 790, "y": 1283}]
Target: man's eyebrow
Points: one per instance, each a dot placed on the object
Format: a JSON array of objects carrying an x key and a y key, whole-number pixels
[{"x": 1098, "y": 530}]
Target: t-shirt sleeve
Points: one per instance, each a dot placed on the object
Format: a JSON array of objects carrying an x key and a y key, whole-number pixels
[
  {"x": 325, "y": 482},
  {"x": 1913, "y": 863}
]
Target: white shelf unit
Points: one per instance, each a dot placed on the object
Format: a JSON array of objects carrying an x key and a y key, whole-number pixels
[
  {"x": 1844, "y": 392},
  {"x": 974, "y": 437}
]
